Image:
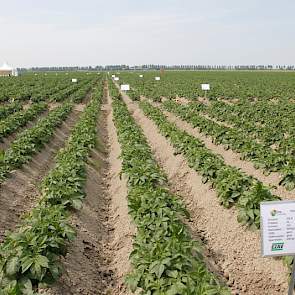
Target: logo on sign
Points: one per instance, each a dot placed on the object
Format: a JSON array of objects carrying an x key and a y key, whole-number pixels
[
  {"x": 275, "y": 212},
  {"x": 277, "y": 246}
]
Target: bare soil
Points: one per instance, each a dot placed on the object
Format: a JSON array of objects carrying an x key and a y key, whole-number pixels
[
  {"x": 53, "y": 105},
  {"x": 235, "y": 249},
  {"x": 204, "y": 100}
]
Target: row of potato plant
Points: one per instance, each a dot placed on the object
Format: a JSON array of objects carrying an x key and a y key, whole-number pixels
[
  {"x": 269, "y": 122},
  {"x": 8, "y": 109},
  {"x": 32, "y": 140},
  {"x": 30, "y": 255},
  {"x": 232, "y": 185},
  {"x": 165, "y": 259},
  {"x": 265, "y": 119},
  {"x": 262, "y": 156},
  {"x": 19, "y": 119},
  {"x": 43, "y": 86},
  {"x": 227, "y": 85}
]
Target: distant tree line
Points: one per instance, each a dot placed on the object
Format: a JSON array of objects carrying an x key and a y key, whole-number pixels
[{"x": 158, "y": 67}]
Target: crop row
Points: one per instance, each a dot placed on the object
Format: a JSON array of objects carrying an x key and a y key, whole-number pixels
[
  {"x": 224, "y": 84},
  {"x": 8, "y": 109},
  {"x": 76, "y": 92},
  {"x": 232, "y": 186},
  {"x": 263, "y": 121},
  {"x": 269, "y": 124},
  {"x": 41, "y": 87},
  {"x": 32, "y": 140},
  {"x": 261, "y": 113},
  {"x": 165, "y": 259},
  {"x": 30, "y": 256},
  {"x": 20, "y": 119},
  {"x": 262, "y": 156}
]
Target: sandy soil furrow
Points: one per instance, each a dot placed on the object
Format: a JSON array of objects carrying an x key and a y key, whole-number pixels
[
  {"x": 19, "y": 192},
  {"x": 124, "y": 229},
  {"x": 235, "y": 249},
  {"x": 97, "y": 260},
  {"x": 232, "y": 158}
]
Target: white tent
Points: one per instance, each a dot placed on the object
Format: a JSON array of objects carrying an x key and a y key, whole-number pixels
[
  {"x": 7, "y": 70},
  {"x": 6, "y": 67}
]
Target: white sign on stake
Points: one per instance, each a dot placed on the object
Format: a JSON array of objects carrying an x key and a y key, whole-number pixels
[
  {"x": 116, "y": 79},
  {"x": 157, "y": 78},
  {"x": 74, "y": 80},
  {"x": 125, "y": 87},
  {"x": 278, "y": 228},
  {"x": 205, "y": 87}
]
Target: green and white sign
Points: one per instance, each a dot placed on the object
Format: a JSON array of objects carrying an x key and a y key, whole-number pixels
[{"x": 278, "y": 228}]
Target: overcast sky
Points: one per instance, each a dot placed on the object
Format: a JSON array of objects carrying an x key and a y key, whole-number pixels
[{"x": 94, "y": 32}]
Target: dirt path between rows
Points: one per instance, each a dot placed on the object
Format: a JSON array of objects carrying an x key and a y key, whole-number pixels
[
  {"x": 235, "y": 249},
  {"x": 230, "y": 157},
  {"x": 20, "y": 191},
  {"x": 97, "y": 260},
  {"x": 124, "y": 229}
]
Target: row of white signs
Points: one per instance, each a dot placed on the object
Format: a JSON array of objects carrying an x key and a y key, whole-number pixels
[
  {"x": 204, "y": 87},
  {"x": 126, "y": 87}
]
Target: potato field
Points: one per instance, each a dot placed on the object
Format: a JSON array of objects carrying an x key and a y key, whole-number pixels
[{"x": 153, "y": 191}]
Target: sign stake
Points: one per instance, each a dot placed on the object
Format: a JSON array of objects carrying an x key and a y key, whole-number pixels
[{"x": 292, "y": 282}]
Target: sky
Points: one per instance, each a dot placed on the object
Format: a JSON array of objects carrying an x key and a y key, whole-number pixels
[{"x": 135, "y": 32}]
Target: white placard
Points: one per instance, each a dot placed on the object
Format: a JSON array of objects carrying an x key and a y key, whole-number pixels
[
  {"x": 125, "y": 87},
  {"x": 140, "y": 76},
  {"x": 157, "y": 78},
  {"x": 74, "y": 80},
  {"x": 277, "y": 228},
  {"x": 116, "y": 78},
  {"x": 205, "y": 87},
  {"x": 113, "y": 76}
]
